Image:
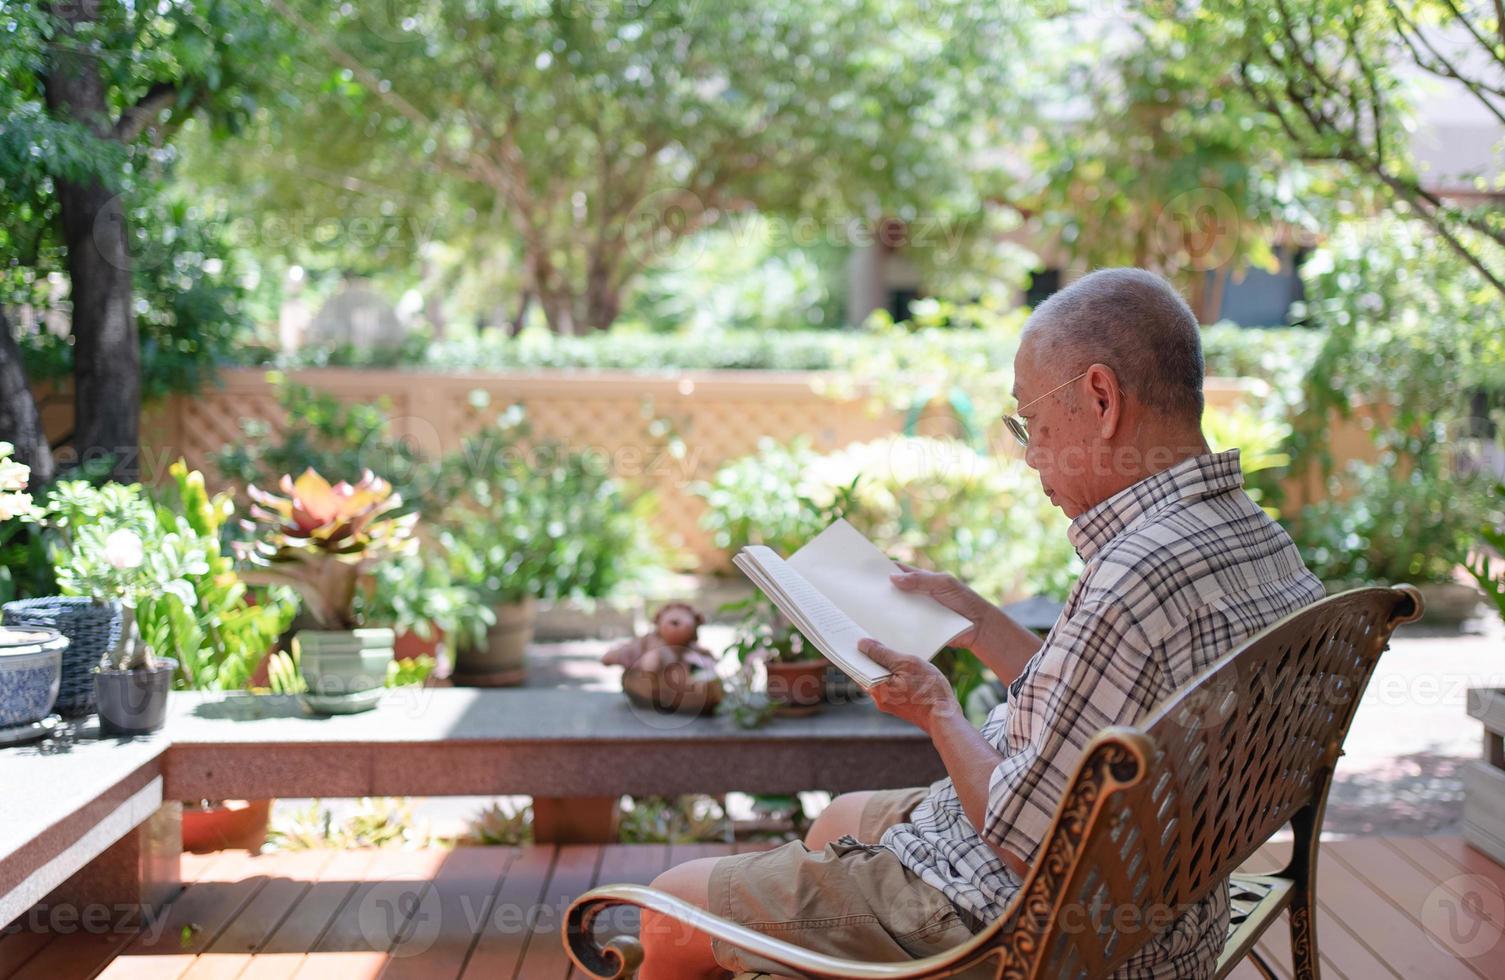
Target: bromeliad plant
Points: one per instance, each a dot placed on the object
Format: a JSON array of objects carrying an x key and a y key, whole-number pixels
[{"x": 321, "y": 539}]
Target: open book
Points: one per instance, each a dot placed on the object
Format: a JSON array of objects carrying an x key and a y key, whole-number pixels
[{"x": 835, "y": 590}]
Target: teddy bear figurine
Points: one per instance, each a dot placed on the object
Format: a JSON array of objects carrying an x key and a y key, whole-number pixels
[{"x": 676, "y": 630}]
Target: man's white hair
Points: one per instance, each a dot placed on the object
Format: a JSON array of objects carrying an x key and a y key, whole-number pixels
[{"x": 1136, "y": 323}]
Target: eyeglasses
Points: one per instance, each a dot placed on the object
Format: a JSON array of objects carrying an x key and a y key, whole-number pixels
[{"x": 1016, "y": 424}]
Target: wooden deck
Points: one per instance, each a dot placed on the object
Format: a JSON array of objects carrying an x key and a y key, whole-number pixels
[{"x": 1389, "y": 908}]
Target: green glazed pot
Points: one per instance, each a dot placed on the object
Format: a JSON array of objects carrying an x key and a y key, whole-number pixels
[{"x": 344, "y": 666}]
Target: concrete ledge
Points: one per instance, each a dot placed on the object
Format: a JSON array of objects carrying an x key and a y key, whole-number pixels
[{"x": 65, "y": 806}]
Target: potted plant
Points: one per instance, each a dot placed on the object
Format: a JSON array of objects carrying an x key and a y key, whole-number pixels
[
  {"x": 111, "y": 564},
  {"x": 322, "y": 540},
  {"x": 418, "y": 595},
  {"x": 525, "y": 521},
  {"x": 795, "y": 668},
  {"x": 30, "y": 659}
]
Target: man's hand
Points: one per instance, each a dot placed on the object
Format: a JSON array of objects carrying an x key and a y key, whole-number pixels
[
  {"x": 916, "y": 690},
  {"x": 949, "y": 591},
  {"x": 1001, "y": 644}
]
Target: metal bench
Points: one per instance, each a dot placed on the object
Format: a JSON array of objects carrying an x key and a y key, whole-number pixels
[{"x": 1157, "y": 816}]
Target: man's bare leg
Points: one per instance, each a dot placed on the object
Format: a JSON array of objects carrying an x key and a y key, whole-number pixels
[
  {"x": 671, "y": 949},
  {"x": 842, "y": 816}
]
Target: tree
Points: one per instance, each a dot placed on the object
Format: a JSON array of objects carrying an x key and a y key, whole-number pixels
[
  {"x": 1331, "y": 73},
  {"x": 597, "y": 136},
  {"x": 1167, "y": 169},
  {"x": 95, "y": 91}
]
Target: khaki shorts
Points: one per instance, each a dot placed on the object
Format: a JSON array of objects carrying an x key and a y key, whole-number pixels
[{"x": 849, "y": 899}]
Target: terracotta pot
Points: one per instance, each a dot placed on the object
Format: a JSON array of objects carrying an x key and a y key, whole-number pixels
[
  {"x": 801, "y": 683},
  {"x": 226, "y": 825},
  {"x": 410, "y": 645},
  {"x": 503, "y": 661}
]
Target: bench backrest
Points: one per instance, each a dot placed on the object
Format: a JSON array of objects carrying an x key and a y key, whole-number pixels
[{"x": 1159, "y": 814}]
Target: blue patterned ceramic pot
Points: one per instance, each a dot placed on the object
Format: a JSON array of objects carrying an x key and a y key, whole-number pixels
[{"x": 31, "y": 664}]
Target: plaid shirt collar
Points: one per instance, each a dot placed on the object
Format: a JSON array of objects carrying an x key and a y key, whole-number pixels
[{"x": 1200, "y": 476}]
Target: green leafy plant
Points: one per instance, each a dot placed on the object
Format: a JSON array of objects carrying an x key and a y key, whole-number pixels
[
  {"x": 418, "y": 593},
  {"x": 377, "y": 822},
  {"x": 1482, "y": 564},
  {"x": 25, "y": 568},
  {"x": 533, "y": 518},
  {"x": 500, "y": 825},
  {"x": 410, "y": 671},
  {"x": 221, "y": 637},
  {"x": 320, "y": 539},
  {"x": 101, "y": 552},
  {"x": 671, "y": 820},
  {"x": 1396, "y": 526},
  {"x": 166, "y": 561}
]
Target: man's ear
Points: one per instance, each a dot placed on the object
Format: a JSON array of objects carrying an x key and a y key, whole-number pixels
[{"x": 1107, "y": 399}]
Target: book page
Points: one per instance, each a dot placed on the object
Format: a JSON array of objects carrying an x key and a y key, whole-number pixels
[
  {"x": 853, "y": 574},
  {"x": 830, "y": 629}
]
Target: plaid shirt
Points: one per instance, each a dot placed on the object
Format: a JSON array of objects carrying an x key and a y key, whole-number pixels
[{"x": 1180, "y": 568}]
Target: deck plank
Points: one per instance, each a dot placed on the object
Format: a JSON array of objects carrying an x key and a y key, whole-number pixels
[
  {"x": 359, "y": 937},
  {"x": 285, "y": 949},
  {"x": 194, "y": 920},
  {"x": 81, "y": 954},
  {"x": 443, "y": 930},
  {"x": 498, "y": 950},
  {"x": 573, "y": 874},
  {"x": 1397, "y": 941},
  {"x": 290, "y": 874},
  {"x": 495, "y": 912}
]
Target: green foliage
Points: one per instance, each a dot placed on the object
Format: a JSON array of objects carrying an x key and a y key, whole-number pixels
[
  {"x": 189, "y": 602},
  {"x": 1414, "y": 333},
  {"x": 499, "y": 825},
  {"x": 593, "y": 138},
  {"x": 418, "y": 593},
  {"x": 381, "y": 821},
  {"x": 935, "y": 502},
  {"x": 175, "y": 62},
  {"x": 763, "y": 631},
  {"x": 189, "y": 299},
  {"x": 410, "y": 671},
  {"x": 742, "y": 275},
  {"x": 329, "y": 436},
  {"x": 1172, "y": 167},
  {"x": 671, "y": 820},
  {"x": 1397, "y": 526},
  {"x": 222, "y": 635},
  {"x": 1483, "y": 564},
  {"x": 526, "y": 517}
]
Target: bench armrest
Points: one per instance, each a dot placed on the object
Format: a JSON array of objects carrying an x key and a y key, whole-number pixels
[{"x": 621, "y": 956}]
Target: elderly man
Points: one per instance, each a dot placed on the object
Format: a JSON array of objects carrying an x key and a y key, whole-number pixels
[{"x": 1180, "y": 567}]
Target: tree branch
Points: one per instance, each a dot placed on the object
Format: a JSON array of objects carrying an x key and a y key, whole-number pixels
[{"x": 134, "y": 118}]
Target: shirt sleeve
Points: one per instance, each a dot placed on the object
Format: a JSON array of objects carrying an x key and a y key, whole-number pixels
[{"x": 1096, "y": 671}]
